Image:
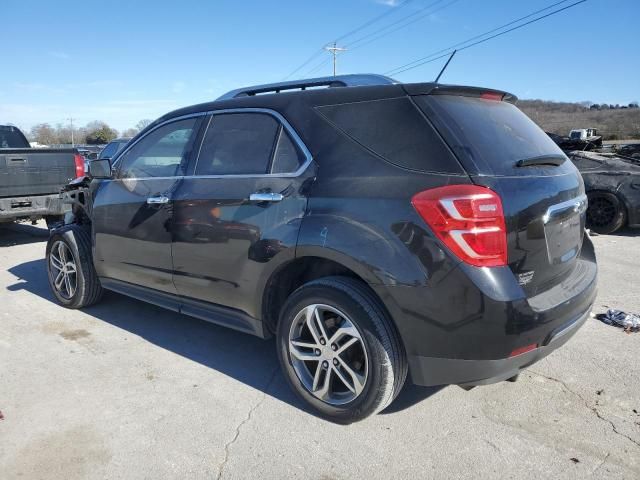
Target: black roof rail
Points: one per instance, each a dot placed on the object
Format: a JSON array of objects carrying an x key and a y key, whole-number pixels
[{"x": 355, "y": 80}]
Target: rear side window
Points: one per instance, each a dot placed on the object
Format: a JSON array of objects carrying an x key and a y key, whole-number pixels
[
  {"x": 238, "y": 143},
  {"x": 11, "y": 137},
  {"x": 396, "y": 131},
  {"x": 493, "y": 135}
]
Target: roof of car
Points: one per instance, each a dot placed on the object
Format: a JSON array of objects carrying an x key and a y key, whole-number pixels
[{"x": 327, "y": 90}]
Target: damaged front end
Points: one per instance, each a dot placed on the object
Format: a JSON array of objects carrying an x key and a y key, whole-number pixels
[{"x": 77, "y": 193}]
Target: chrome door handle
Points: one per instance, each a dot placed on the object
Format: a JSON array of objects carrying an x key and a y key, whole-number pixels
[
  {"x": 265, "y": 197},
  {"x": 159, "y": 200}
]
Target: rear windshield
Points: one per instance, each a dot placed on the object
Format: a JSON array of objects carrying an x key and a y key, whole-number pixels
[
  {"x": 11, "y": 137},
  {"x": 493, "y": 135}
]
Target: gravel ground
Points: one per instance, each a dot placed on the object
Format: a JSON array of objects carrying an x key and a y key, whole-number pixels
[{"x": 127, "y": 390}]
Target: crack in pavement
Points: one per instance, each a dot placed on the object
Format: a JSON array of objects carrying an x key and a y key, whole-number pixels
[
  {"x": 592, "y": 408},
  {"x": 243, "y": 422},
  {"x": 604, "y": 460}
]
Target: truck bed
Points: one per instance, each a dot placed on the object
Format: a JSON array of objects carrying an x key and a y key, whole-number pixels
[{"x": 31, "y": 171}]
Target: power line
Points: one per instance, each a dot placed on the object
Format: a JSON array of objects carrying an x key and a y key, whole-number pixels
[
  {"x": 428, "y": 59},
  {"x": 352, "y": 45},
  {"x": 305, "y": 63},
  {"x": 486, "y": 33},
  {"x": 317, "y": 67},
  {"x": 375, "y": 19}
]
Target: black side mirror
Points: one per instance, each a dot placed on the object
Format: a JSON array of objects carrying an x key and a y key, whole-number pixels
[{"x": 100, "y": 168}]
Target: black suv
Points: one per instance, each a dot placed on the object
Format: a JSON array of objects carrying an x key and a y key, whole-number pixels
[{"x": 375, "y": 228}]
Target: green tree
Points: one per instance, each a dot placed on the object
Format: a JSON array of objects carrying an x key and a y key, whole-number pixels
[{"x": 99, "y": 133}]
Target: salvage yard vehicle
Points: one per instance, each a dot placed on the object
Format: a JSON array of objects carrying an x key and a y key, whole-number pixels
[
  {"x": 374, "y": 228},
  {"x": 612, "y": 183},
  {"x": 31, "y": 178}
]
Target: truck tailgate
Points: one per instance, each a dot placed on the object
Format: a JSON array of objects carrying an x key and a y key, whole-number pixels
[{"x": 26, "y": 171}]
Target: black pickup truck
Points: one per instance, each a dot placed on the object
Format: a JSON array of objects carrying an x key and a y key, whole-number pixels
[{"x": 31, "y": 178}]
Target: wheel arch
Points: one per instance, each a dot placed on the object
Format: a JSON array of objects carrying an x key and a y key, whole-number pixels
[{"x": 302, "y": 269}]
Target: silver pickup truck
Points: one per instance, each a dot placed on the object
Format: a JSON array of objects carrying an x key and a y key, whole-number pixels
[{"x": 31, "y": 178}]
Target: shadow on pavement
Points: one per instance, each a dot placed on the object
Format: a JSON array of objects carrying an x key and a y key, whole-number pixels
[
  {"x": 21, "y": 234},
  {"x": 624, "y": 232},
  {"x": 243, "y": 357}
]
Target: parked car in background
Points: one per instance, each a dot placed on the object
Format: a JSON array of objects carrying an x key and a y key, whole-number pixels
[
  {"x": 113, "y": 147},
  {"x": 375, "y": 228},
  {"x": 31, "y": 178},
  {"x": 612, "y": 183}
]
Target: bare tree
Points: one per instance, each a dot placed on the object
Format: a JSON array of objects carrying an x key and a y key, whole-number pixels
[
  {"x": 130, "y": 132},
  {"x": 142, "y": 124},
  {"x": 44, "y": 133}
]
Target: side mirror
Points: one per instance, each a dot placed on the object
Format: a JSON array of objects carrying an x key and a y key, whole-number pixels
[{"x": 100, "y": 168}]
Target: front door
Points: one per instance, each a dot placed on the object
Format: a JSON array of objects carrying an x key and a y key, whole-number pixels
[
  {"x": 132, "y": 212},
  {"x": 239, "y": 209}
]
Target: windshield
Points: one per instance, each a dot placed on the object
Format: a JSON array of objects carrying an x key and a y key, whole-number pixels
[
  {"x": 11, "y": 137},
  {"x": 576, "y": 135},
  {"x": 495, "y": 135}
]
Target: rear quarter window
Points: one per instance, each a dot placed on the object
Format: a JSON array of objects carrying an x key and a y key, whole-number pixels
[{"x": 395, "y": 130}]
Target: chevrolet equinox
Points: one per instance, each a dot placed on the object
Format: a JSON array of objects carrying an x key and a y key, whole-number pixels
[{"x": 376, "y": 229}]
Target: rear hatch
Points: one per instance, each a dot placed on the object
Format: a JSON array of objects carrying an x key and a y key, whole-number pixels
[
  {"x": 26, "y": 172},
  {"x": 542, "y": 192}
]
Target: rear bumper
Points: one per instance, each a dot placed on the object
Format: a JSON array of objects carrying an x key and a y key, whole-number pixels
[
  {"x": 429, "y": 371},
  {"x": 464, "y": 327},
  {"x": 34, "y": 206}
]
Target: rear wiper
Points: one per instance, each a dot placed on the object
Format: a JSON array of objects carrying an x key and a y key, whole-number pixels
[{"x": 555, "y": 160}]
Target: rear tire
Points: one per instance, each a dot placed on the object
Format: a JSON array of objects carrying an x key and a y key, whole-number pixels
[
  {"x": 606, "y": 213},
  {"x": 72, "y": 276},
  {"x": 370, "y": 370}
]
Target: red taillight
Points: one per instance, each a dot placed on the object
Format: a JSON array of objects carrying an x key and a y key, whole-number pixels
[
  {"x": 491, "y": 96},
  {"x": 469, "y": 220},
  {"x": 79, "y": 165}
]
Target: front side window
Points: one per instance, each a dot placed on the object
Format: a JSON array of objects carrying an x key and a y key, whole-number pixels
[
  {"x": 238, "y": 143},
  {"x": 162, "y": 153}
]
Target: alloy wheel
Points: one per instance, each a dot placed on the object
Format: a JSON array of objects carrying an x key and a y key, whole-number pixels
[
  {"x": 63, "y": 270},
  {"x": 601, "y": 212},
  {"x": 328, "y": 354}
]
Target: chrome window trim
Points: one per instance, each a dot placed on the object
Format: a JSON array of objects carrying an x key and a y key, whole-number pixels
[{"x": 283, "y": 121}]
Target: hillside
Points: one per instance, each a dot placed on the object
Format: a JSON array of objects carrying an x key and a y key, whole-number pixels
[{"x": 560, "y": 118}]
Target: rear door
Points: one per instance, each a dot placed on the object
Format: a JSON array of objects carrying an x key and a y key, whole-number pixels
[
  {"x": 541, "y": 190},
  {"x": 132, "y": 213},
  {"x": 240, "y": 208}
]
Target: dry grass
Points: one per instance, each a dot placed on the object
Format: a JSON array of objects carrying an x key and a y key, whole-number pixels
[{"x": 560, "y": 118}]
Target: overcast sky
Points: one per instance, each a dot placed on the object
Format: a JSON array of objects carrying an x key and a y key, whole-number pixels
[{"x": 122, "y": 61}]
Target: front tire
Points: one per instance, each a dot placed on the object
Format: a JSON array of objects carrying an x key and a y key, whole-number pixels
[
  {"x": 72, "y": 276},
  {"x": 339, "y": 349}
]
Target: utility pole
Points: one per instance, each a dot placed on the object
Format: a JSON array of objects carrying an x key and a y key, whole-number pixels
[
  {"x": 71, "y": 122},
  {"x": 334, "y": 51}
]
